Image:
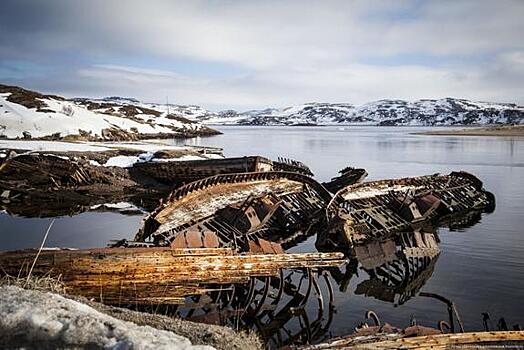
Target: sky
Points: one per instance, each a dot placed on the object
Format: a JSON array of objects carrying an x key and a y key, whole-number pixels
[{"x": 256, "y": 54}]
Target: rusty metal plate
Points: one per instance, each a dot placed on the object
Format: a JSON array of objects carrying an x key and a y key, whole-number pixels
[
  {"x": 194, "y": 239},
  {"x": 277, "y": 248},
  {"x": 266, "y": 246},
  {"x": 179, "y": 242},
  {"x": 254, "y": 247},
  {"x": 210, "y": 240}
]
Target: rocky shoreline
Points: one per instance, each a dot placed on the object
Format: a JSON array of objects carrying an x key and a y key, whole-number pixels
[{"x": 59, "y": 321}]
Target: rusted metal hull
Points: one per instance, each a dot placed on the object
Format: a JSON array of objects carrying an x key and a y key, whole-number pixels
[
  {"x": 374, "y": 210},
  {"x": 178, "y": 173},
  {"x": 348, "y": 176},
  {"x": 192, "y": 209}
]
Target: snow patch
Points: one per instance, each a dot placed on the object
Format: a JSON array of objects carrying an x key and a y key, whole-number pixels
[
  {"x": 74, "y": 118},
  {"x": 30, "y": 317},
  {"x": 52, "y": 146},
  {"x": 186, "y": 157},
  {"x": 116, "y": 206}
]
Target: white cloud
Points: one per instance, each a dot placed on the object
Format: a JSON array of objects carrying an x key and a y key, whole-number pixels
[
  {"x": 288, "y": 51},
  {"x": 273, "y": 33},
  {"x": 355, "y": 83}
]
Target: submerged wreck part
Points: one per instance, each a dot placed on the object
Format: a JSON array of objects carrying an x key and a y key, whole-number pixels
[
  {"x": 377, "y": 209},
  {"x": 348, "y": 176},
  {"x": 236, "y": 208},
  {"x": 398, "y": 267},
  {"x": 448, "y": 334},
  {"x": 42, "y": 185},
  {"x": 34, "y": 170},
  {"x": 291, "y": 165},
  {"x": 296, "y": 307},
  {"x": 184, "y": 172},
  {"x": 47, "y": 184},
  {"x": 151, "y": 276}
]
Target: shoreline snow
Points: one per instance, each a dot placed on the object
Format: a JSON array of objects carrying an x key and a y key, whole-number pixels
[{"x": 31, "y": 319}]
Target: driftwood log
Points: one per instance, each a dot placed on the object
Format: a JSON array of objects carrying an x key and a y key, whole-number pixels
[
  {"x": 487, "y": 340},
  {"x": 155, "y": 275}
]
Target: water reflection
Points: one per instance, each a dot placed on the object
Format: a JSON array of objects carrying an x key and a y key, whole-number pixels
[
  {"x": 480, "y": 271},
  {"x": 298, "y": 307},
  {"x": 399, "y": 267},
  {"x": 295, "y": 308}
]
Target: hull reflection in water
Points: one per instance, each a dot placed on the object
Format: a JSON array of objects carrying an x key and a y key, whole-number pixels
[
  {"x": 399, "y": 267},
  {"x": 295, "y": 308},
  {"x": 298, "y": 307}
]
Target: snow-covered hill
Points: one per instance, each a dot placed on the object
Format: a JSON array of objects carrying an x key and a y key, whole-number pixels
[
  {"x": 29, "y": 114},
  {"x": 426, "y": 112}
]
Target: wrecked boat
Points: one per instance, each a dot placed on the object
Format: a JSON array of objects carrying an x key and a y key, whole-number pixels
[
  {"x": 182, "y": 172},
  {"x": 242, "y": 210},
  {"x": 66, "y": 186},
  {"x": 214, "y": 250},
  {"x": 348, "y": 176},
  {"x": 377, "y": 209},
  {"x": 237, "y": 210}
]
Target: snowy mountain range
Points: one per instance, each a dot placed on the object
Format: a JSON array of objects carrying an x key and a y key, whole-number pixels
[
  {"x": 448, "y": 111},
  {"x": 29, "y": 114}
]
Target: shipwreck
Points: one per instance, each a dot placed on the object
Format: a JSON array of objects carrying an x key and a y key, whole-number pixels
[{"x": 214, "y": 247}]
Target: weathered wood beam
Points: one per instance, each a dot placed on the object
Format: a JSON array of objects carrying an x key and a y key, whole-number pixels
[
  {"x": 438, "y": 341},
  {"x": 155, "y": 275}
]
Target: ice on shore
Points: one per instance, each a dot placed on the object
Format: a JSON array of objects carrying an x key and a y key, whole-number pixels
[{"x": 125, "y": 161}]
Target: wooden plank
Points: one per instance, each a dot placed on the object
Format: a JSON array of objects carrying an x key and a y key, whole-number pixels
[
  {"x": 266, "y": 246},
  {"x": 254, "y": 247},
  {"x": 438, "y": 341},
  {"x": 136, "y": 274}
]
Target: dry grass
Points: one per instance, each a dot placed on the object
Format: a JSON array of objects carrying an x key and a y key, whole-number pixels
[
  {"x": 41, "y": 283},
  {"x": 222, "y": 338}
]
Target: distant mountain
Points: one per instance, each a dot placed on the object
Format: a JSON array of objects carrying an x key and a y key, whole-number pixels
[
  {"x": 29, "y": 114},
  {"x": 448, "y": 111}
]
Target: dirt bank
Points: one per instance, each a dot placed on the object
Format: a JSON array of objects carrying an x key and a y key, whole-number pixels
[
  {"x": 198, "y": 333},
  {"x": 505, "y": 130}
]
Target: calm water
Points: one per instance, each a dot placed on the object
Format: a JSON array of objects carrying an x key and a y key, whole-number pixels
[{"x": 480, "y": 268}]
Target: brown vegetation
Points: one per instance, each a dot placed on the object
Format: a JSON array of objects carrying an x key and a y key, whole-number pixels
[
  {"x": 27, "y": 98},
  {"x": 501, "y": 130}
]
